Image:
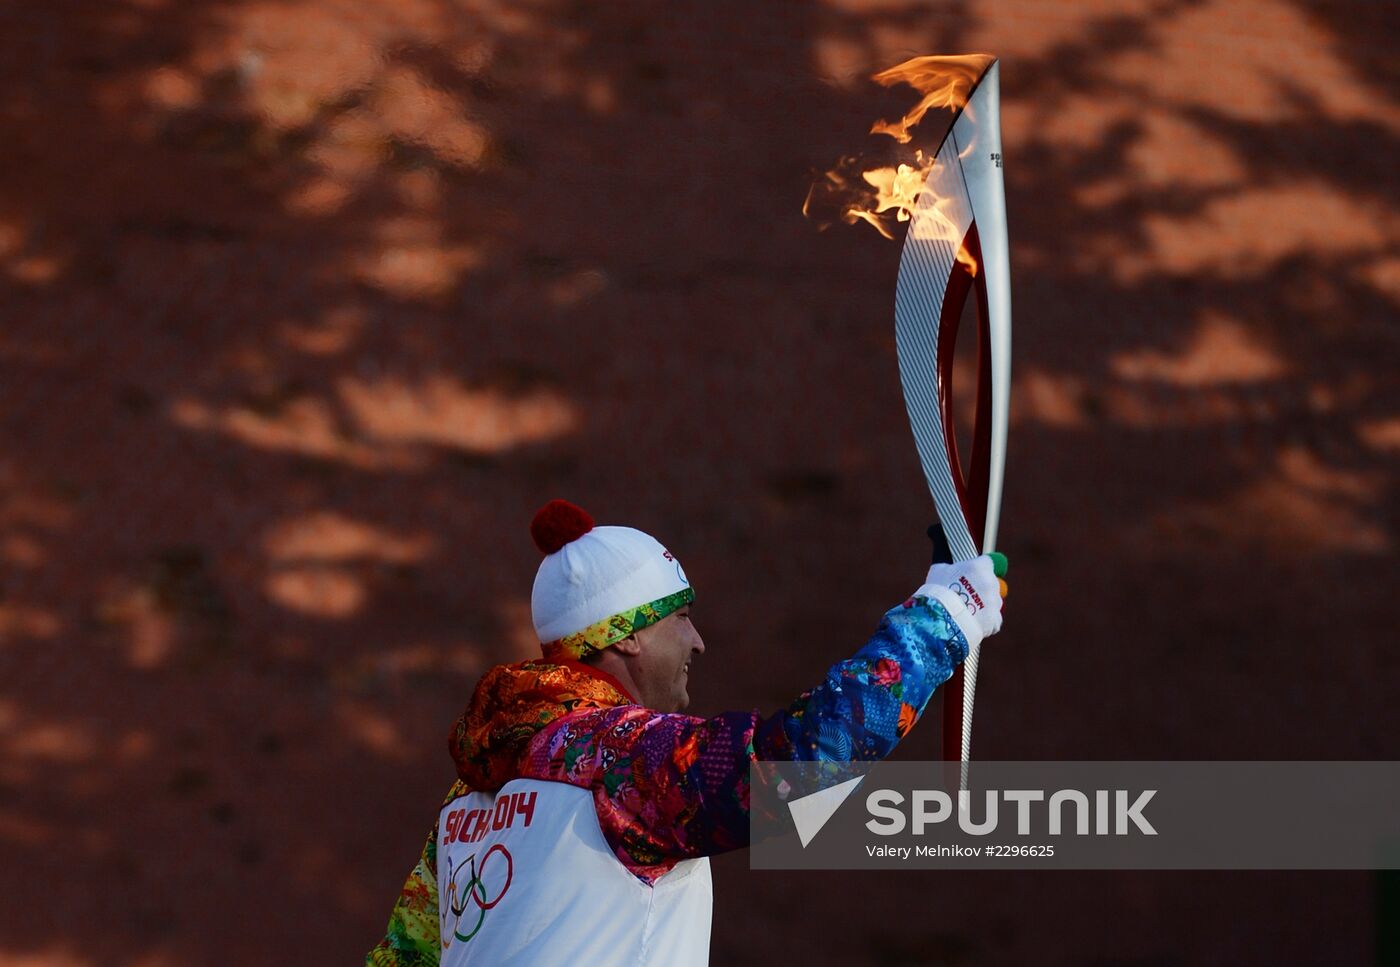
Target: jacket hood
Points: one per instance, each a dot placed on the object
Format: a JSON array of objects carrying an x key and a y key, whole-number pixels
[{"x": 512, "y": 703}]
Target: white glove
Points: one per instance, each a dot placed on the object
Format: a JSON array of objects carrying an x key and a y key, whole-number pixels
[{"x": 971, "y": 593}]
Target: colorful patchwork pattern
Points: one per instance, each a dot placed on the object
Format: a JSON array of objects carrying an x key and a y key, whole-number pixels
[
  {"x": 411, "y": 939},
  {"x": 599, "y": 635},
  {"x": 669, "y": 787}
]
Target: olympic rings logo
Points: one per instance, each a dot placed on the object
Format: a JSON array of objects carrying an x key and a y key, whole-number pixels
[
  {"x": 680, "y": 572},
  {"x": 966, "y": 599},
  {"x": 470, "y": 885}
]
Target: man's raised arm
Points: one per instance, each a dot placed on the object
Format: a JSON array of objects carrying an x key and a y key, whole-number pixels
[{"x": 673, "y": 786}]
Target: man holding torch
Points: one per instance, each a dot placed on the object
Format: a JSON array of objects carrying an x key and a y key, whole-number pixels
[{"x": 587, "y": 802}]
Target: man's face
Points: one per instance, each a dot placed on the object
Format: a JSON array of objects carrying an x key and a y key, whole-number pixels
[{"x": 662, "y": 666}]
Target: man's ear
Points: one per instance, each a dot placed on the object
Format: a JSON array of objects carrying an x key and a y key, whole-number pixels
[{"x": 629, "y": 645}]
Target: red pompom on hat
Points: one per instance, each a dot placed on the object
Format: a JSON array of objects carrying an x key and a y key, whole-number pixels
[
  {"x": 598, "y": 584},
  {"x": 558, "y": 523}
]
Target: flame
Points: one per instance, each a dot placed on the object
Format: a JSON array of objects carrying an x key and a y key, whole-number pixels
[
  {"x": 884, "y": 194},
  {"x": 944, "y": 82},
  {"x": 896, "y": 189},
  {"x": 881, "y": 196}
]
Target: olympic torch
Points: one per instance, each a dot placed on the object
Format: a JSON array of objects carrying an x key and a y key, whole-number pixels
[{"x": 956, "y": 249}]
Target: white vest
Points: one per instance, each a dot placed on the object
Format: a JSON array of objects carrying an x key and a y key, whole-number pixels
[{"x": 526, "y": 878}]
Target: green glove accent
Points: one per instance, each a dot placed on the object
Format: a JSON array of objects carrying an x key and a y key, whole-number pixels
[{"x": 999, "y": 563}]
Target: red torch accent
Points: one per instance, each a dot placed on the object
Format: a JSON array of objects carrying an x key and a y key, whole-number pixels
[{"x": 972, "y": 489}]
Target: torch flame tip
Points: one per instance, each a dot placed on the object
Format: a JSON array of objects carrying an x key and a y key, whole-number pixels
[{"x": 944, "y": 82}]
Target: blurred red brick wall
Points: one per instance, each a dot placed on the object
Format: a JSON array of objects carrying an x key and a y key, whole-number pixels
[{"x": 306, "y": 307}]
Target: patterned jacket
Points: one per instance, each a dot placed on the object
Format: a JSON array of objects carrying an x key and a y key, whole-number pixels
[{"x": 669, "y": 787}]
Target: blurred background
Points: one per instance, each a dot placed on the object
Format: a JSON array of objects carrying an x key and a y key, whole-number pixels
[{"x": 307, "y": 306}]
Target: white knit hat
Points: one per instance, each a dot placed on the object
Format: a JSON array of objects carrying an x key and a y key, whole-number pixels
[{"x": 597, "y": 585}]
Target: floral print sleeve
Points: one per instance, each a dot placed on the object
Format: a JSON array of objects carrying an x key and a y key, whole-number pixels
[
  {"x": 411, "y": 939},
  {"x": 669, "y": 787}
]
